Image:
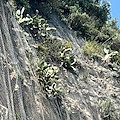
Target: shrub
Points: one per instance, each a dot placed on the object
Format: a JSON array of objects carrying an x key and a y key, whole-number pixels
[
  {"x": 48, "y": 78},
  {"x": 110, "y": 34},
  {"x": 79, "y": 21},
  {"x": 93, "y": 49},
  {"x": 116, "y": 58},
  {"x": 22, "y": 3},
  {"x": 61, "y": 52},
  {"x": 110, "y": 55},
  {"x": 68, "y": 59},
  {"x": 19, "y": 16}
]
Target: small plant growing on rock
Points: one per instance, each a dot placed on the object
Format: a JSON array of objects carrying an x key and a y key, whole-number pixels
[
  {"x": 85, "y": 75},
  {"x": 67, "y": 58},
  {"x": 20, "y": 17},
  {"x": 93, "y": 49},
  {"x": 48, "y": 78},
  {"x": 109, "y": 55},
  {"x": 38, "y": 25}
]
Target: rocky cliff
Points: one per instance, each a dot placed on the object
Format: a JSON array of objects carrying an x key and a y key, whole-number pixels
[{"x": 90, "y": 93}]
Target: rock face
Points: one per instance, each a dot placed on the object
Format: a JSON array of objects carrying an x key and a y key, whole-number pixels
[{"x": 20, "y": 93}]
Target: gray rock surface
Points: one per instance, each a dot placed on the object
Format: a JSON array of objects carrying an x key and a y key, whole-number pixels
[{"x": 20, "y": 93}]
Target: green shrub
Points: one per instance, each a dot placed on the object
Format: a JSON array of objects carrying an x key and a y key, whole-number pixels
[
  {"x": 110, "y": 34},
  {"x": 116, "y": 58},
  {"x": 56, "y": 51},
  {"x": 19, "y": 16},
  {"x": 93, "y": 49},
  {"x": 22, "y": 3},
  {"x": 48, "y": 78},
  {"x": 67, "y": 58},
  {"x": 37, "y": 25},
  {"x": 50, "y": 49},
  {"x": 115, "y": 44},
  {"x": 79, "y": 21},
  {"x": 67, "y": 45},
  {"x": 110, "y": 56}
]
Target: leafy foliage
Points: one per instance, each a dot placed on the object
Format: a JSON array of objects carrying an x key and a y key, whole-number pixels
[
  {"x": 61, "y": 52},
  {"x": 22, "y": 3},
  {"x": 19, "y": 16},
  {"x": 109, "y": 55},
  {"x": 80, "y": 22},
  {"x": 116, "y": 58},
  {"x": 48, "y": 78},
  {"x": 67, "y": 58},
  {"x": 37, "y": 25},
  {"x": 100, "y": 12},
  {"x": 53, "y": 47},
  {"x": 93, "y": 49}
]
